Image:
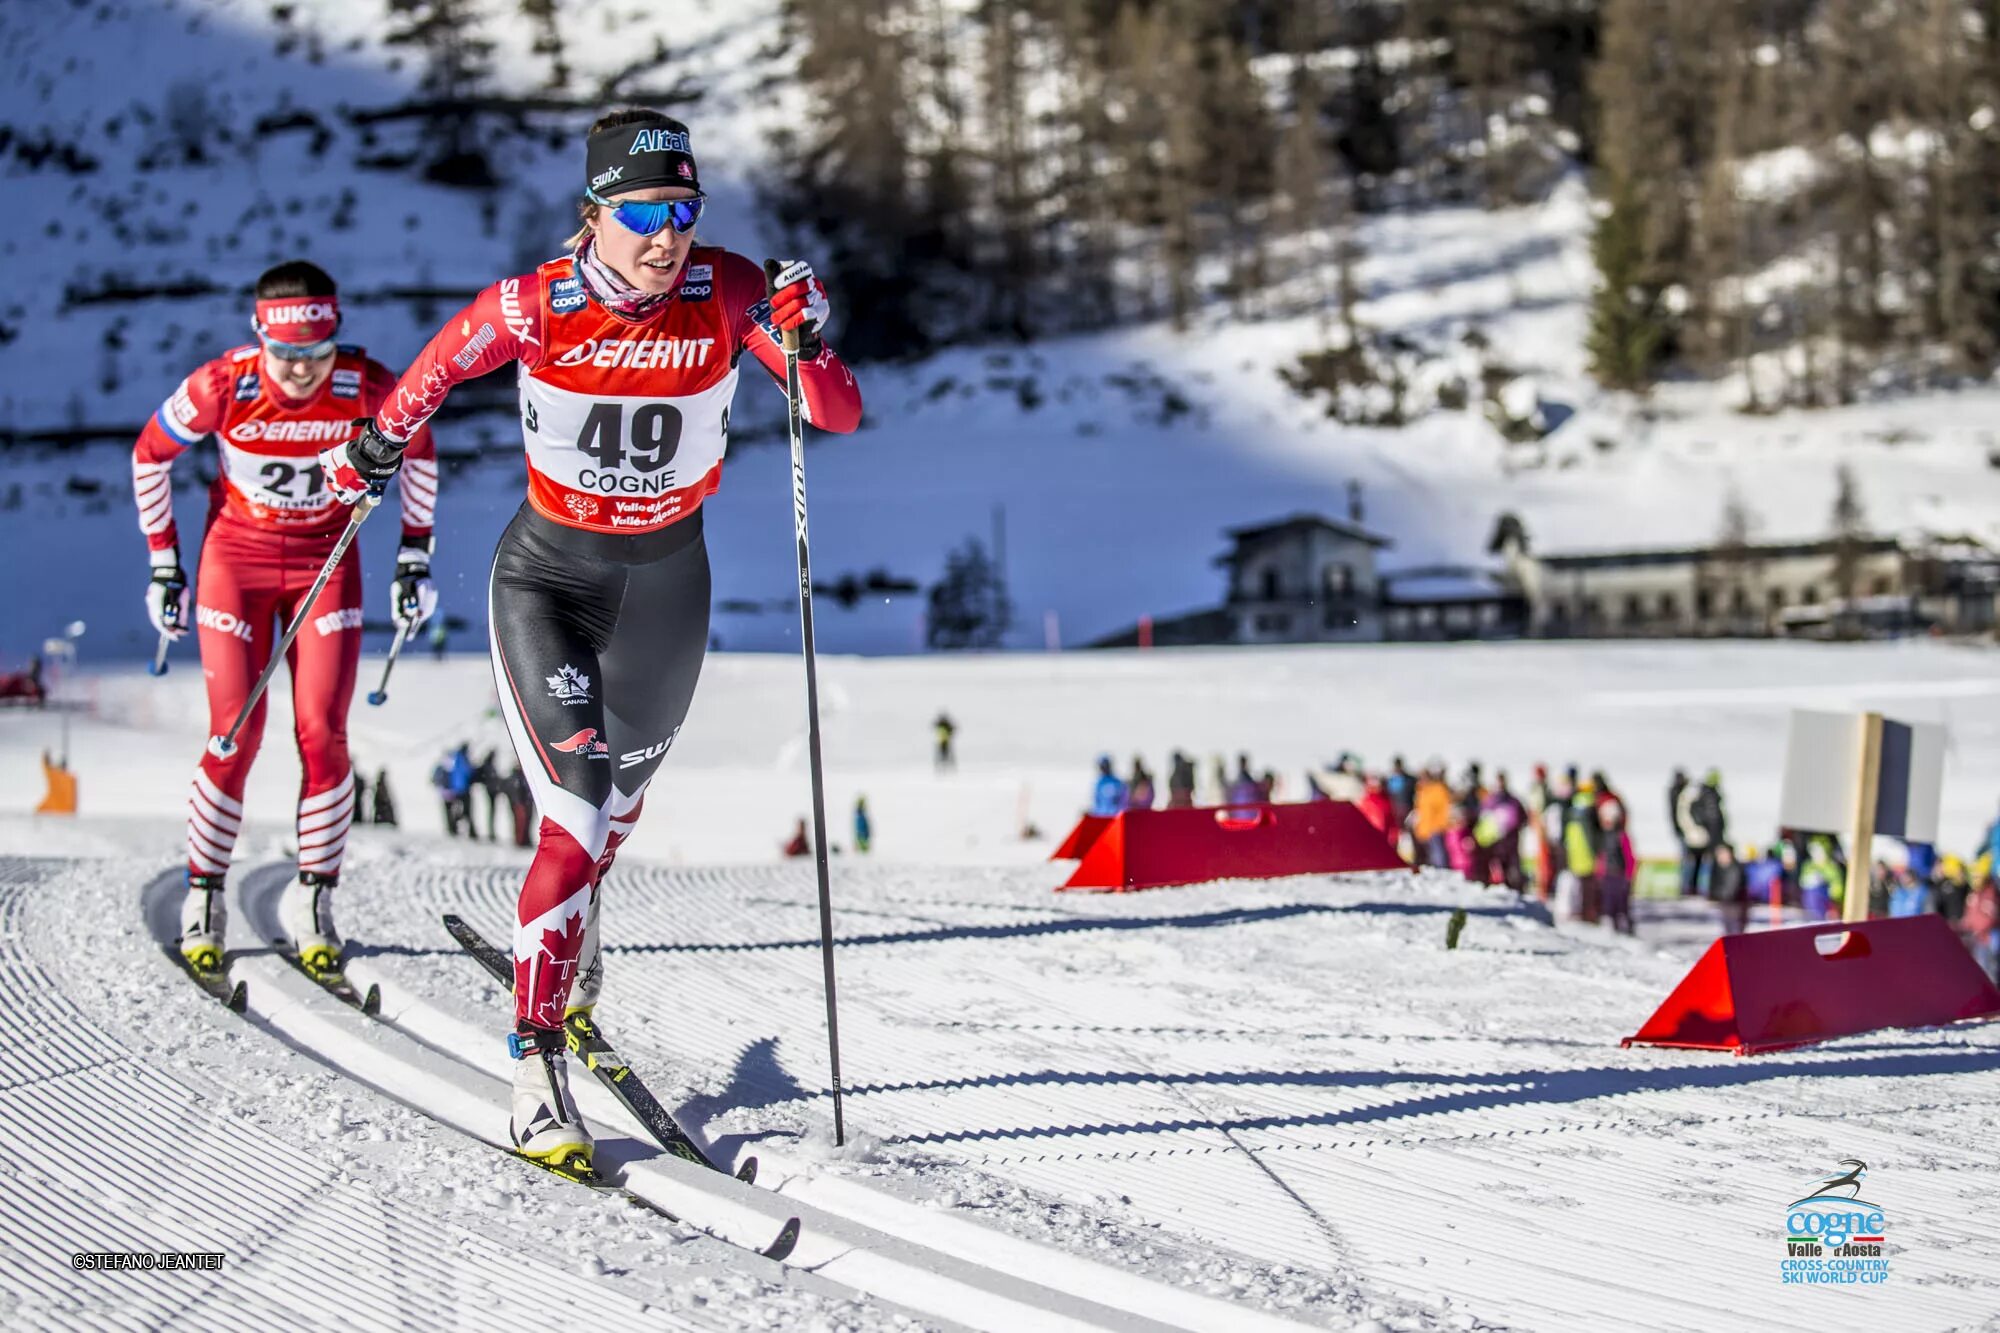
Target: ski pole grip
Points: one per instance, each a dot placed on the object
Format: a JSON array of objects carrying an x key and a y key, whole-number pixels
[{"x": 787, "y": 338}]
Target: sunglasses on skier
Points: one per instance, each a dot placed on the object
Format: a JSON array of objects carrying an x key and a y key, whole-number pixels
[
  {"x": 300, "y": 351},
  {"x": 650, "y": 218}
]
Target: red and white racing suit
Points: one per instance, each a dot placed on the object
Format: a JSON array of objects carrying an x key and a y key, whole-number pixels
[
  {"x": 271, "y": 525},
  {"x": 599, "y": 600}
]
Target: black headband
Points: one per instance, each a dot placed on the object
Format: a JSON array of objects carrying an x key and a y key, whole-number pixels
[{"x": 640, "y": 156}]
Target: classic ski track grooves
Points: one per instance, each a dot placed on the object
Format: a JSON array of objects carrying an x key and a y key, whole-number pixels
[
  {"x": 115, "y": 1137},
  {"x": 1387, "y": 1155},
  {"x": 399, "y": 1057},
  {"x": 980, "y": 1261}
]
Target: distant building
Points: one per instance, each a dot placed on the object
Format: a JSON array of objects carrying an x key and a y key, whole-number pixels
[
  {"x": 1859, "y": 586},
  {"x": 1303, "y": 579},
  {"x": 1451, "y": 602},
  {"x": 1312, "y": 579}
]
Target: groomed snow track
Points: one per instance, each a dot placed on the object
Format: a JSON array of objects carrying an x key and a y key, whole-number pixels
[
  {"x": 852, "y": 1242},
  {"x": 1213, "y": 1108},
  {"x": 1292, "y": 1073},
  {"x": 110, "y": 1152}
]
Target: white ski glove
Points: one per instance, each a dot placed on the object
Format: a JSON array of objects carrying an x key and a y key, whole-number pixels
[
  {"x": 168, "y": 604},
  {"x": 413, "y": 598}
]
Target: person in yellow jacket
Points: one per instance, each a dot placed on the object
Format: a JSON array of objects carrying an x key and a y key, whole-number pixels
[
  {"x": 1822, "y": 883},
  {"x": 1583, "y": 838}
]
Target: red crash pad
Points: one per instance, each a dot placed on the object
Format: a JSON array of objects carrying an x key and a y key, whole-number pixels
[
  {"x": 1781, "y": 988},
  {"x": 1081, "y": 837},
  {"x": 1144, "y": 849}
]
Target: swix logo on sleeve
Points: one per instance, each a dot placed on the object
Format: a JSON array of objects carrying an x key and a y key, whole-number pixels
[
  {"x": 510, "y": 312},
  {"x": 566, "y": 294},
  {"x": 296, "y": 432},
  {"x": 585, "y": 743},
  {"x": 659, "y": 141},
  {"x": 638, "y": 353},
  {"x": 222, "y": 622},
  {"x": 335, "y": 621},
  {"x": 479, "y": 342},
  {"x": 247, "y": 386}
]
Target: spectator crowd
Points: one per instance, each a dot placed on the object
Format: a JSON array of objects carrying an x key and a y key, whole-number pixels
[{"x": 1564, "y": 837}]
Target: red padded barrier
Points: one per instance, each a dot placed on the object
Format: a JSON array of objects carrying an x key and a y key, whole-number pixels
[
  {"x": 1144, "y": 849},
  {"x": 1780, "y": 988},
  {"x": 1088, "y": 829}
]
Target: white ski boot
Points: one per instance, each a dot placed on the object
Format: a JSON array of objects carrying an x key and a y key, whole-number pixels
[
  {"x": 545, "y": 1126},
  {"x": 589, "y": 983},
  {"x": 204, "y": 917},
  {"x": 305, "y": 914}
]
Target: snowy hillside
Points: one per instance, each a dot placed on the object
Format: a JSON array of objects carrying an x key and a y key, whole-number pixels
[{"x": 1119, "y": 458}]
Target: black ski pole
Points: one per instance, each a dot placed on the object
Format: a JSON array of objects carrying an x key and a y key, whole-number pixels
[
  {"x": 380, "y": 694},
  {"x": 222, "y": 746},
  {"x": 793, "y": 398}
]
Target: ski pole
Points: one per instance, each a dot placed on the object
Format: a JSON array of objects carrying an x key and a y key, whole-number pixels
[
  {"x": 158, "y": 666},
  {"x": 222, "y": 746},
  {"x": 793, "y": 397},
  {"x": 380, "y": 694}
]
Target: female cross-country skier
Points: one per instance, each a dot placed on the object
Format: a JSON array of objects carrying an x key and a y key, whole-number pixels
[
  {"x": 599, "y": 594},
  {"x": 273, "y": 407}
]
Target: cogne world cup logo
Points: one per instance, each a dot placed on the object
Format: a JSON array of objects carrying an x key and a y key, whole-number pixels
[{"x": 1833, "y": 1236}]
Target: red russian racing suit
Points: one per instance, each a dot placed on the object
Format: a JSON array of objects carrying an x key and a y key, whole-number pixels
[
  {"x": 271, "y": 526},
  {"x": 599, "y": 600}
]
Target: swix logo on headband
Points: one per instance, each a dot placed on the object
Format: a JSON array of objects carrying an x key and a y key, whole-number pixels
[{"x": 659, "y": 141}]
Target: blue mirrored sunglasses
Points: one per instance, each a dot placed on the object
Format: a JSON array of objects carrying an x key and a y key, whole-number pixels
[
  {"x": 300, "y": 351},
  {"x": 650, "y": 218}
]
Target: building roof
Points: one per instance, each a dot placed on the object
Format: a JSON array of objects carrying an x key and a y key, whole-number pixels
[
  {"x": 1694, "y": 555},
  {"x": 1434, "y": 584},
  {"x": 1305, "y": 523}
]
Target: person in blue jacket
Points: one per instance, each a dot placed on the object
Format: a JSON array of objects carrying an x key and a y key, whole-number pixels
[
  {"x": 864, "y": 829},
  {"x": 1108, "y": 796}
]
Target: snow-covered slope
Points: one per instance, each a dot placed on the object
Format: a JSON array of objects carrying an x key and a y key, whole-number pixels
[
  {"x": 1206, "y": 1108},
  {"x": 1287, "y": 1097}
]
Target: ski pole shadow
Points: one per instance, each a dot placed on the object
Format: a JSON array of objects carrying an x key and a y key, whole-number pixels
[
  {"x": 1462, "y": 1092},
  {"x": 757, "y": 1079},
  {"x": 1068, "y": 925},
  {"x": 353, "y": 949}
]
